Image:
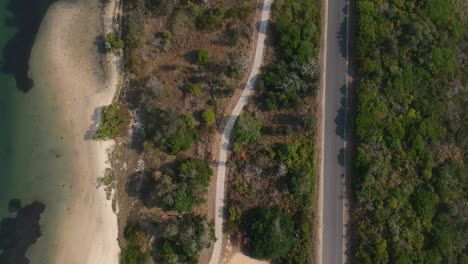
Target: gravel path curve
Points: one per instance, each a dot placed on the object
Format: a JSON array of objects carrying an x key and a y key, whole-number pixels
[{"x": 225, "y": 138}]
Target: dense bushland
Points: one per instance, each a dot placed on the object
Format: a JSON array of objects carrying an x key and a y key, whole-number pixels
[
  {"x": 411, "y": 179},
  {"x": 271, "y": 188},
  {"x": 184, "y": 190},
  {"x": 297, "y": 34}
]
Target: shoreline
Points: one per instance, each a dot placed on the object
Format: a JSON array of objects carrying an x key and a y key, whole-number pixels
[{"x": 65, "y": 62}]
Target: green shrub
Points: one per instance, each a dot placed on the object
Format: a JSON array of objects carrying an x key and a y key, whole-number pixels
[
  {"x": 241, "y": 13},
  {"x": 203, "y": 57},
  {"x": 185, "y": 190},
  {"x": 211, "y": 19},
  {"x": 270, "y": 232},
  {"x": 246, "y": 129},
  {"x": 166, "y": 35},
  {"x": 189, "y": 235},
  {"x": 106, "y": 181},
  {"x": 193, "y": 88},
  {"x": 208, "y": 116},
  {"x": 113, "y": 42},
  {"x": 169, "y": 131},
  {"x": 112, "y": 122},
  {"x": 132, "y": 255}
]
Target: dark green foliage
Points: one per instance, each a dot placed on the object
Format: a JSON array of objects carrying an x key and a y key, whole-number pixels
[
  {"x": 203, "y": 57},
  {"x": 246, "y": 129},
  {"x": 183, "y": 239},
  {"x": 135, "y": 237},
  {"x": 211, "y": 19},
  {"x": 169, "y": 131},
  {"x": 112, "y": 122},
  {"x": 409, "y": 193},
  {"x": 185, "y": 190},
  {"x": 162, "y": 7},
  {"x": 132, "y": 255},
  {"x": 270, "y": 232},
  {"x": 297, "y": 31},
  {"x": 299, "y": 182},
  {"x": 238, "y": 12}
]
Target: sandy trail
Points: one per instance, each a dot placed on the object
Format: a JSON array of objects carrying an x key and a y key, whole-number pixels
[
  {"x": 65, "y": 61},
  {"x": 225, "y": 138}
]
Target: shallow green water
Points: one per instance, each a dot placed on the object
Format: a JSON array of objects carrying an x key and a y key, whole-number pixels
[{"x": 35, "y": 161}]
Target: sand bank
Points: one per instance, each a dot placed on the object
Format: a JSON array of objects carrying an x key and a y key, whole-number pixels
[{"x": 66, "y": 64}]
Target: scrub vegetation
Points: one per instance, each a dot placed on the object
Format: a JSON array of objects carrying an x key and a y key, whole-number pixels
[
  {"x": 271, "y": 187},
  {"x": 183, "y": 61},
  {"x": 411, "y": 179},
  {"x": 113, "y": 121}
]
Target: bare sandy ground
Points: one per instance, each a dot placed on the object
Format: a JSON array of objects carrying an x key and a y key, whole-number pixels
[
  {"x": 240, "y": 258},
  {"x": 65, "y": 62},
  {"x": 232, "y": 255}
]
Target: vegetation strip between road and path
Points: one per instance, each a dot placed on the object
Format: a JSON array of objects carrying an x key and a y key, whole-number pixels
[{"x": 225, "y": 137}]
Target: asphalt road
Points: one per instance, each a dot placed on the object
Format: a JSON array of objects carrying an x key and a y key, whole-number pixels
[{"x": 334, "y": 132}]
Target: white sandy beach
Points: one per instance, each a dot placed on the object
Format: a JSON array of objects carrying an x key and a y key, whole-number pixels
[{"x": 65, "y": 62}]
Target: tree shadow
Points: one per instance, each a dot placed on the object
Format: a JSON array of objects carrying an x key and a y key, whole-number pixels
[
  {"x": 100, "y": 44},
  {"x": 340, "y": 118},
  {"x": 341, "y": 35},
  {"x": 191, "y": 56},
  {"x": 139, "y": 186},
  {"x": 26, "y": 19},
  {"x": 96, "y": 119}
]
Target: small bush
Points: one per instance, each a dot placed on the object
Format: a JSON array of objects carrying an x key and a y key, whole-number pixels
[
  {"x": 166, "y": 35},
  {"x": 112, "y": 122},
  {"x": 106, "y": 181},
  {"x": 234, "y": 71},
  {"x": 113, "y": 42},
  {"x": 193, "y": 88},
  {"x": 208, "y": 116},
  {"x": 203, "y": 57},
  {"x": 211, "y": 19},
  {"x": 246, "y": 129},
  {"x": 239, "y": 12}
]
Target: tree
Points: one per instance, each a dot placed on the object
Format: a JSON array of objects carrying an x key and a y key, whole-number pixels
[
  {"x": 194, "y": 233},
  {"x": 186, "y": 189},
  {"x": 270, "y": 232},
  {"x": 169, "y": 131}
]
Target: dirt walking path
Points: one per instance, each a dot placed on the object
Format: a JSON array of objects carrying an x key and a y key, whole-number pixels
[{"x": 225, "y": 137}]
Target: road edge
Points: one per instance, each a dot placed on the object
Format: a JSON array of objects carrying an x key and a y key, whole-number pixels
[{"x": 321, "y": 132}]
